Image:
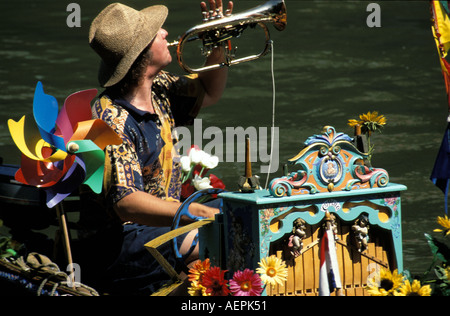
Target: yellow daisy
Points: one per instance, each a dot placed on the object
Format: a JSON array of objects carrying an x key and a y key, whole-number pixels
[
  {"x": 414, "y": 289},
  {"x": 272, "y": 270},
  {"x": 445, "y": 223},
  {"x": 385, "y": 283}
]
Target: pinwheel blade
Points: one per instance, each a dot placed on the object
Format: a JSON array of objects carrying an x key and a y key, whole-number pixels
[
  {"x": 42, "y": 174},
  {"x": 73, "y": 178},
  {"x": 27, "y": 138},
  {"x": 45, "y": 111},
  {"x": 94, "y": 161},
  {"x": 77, "y": 108},
  {"x": 98, "y": 132}
]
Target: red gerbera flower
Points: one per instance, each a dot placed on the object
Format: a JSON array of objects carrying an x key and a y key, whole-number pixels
[{"x": 215, "y": 283}]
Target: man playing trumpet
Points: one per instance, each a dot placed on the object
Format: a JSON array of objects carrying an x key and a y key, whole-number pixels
[{"x": 143, "y": 103}]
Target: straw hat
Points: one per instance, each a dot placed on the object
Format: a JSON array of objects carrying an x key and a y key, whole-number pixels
[{"x": 119, "y": 34}]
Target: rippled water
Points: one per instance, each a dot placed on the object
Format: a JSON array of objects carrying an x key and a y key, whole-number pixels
[{"x": 328, "y": 65}]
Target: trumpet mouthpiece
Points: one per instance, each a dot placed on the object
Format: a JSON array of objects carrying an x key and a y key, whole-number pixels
[{"x": 174, "y": 43}]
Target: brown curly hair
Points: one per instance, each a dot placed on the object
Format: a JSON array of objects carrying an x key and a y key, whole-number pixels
[{"x": 134, "y": 76}]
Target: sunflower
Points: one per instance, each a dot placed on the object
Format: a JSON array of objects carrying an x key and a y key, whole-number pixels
[
  {"x": 445, "y": 223},
  {"x": 272, "y": 270},
  {"x": 353, "y": 122},
  {"x": 414, "y": 289},
  {"x": 385, "y": 284},
  {"x": 370, "y": 122},
  {"x": 246, "y": 283}
]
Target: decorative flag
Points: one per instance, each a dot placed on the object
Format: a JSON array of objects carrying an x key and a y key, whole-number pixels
[
  {"x": 441, "y": 171},
  {"x": 329, "y": 277},
  {"x": 440, "y": 27}
]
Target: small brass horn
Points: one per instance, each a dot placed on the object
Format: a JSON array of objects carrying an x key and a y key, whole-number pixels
[{"x": 218, "y": 31}]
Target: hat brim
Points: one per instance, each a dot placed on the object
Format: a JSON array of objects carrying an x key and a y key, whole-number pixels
[{"x": 153, "y": 19}]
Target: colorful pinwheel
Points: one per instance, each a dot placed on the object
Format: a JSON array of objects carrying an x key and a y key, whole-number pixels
[{"x": 62, "y": 151}]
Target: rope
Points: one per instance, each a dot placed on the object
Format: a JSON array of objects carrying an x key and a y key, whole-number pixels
[
  {"x": 41, "y": 287},
  {"x": 273, "y": 113},
  {"x": 37, "y": 267}
]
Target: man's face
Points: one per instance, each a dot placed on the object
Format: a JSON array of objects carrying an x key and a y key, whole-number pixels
[{"x": 160, "y": 53}]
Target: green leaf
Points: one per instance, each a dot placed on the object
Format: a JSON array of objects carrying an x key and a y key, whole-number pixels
[
  {"x": 441, "y": 274},
  {"x": 439, "y": 249}
]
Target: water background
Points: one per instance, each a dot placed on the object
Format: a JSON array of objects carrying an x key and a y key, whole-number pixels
[{"x": 329, "y": 67}]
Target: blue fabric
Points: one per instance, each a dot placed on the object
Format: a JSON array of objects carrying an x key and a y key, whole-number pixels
[
  {"x": 116, "y": 261},
  {"x": 136, "y": 272},
  {"x": 142, "y": 128},
  {"x": 440, "y": 175}
]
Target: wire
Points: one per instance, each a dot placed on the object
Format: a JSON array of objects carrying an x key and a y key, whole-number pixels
[{"x": 272, "y": 130}]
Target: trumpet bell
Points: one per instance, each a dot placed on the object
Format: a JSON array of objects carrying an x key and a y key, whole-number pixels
[{"x": 219, "y": 31}]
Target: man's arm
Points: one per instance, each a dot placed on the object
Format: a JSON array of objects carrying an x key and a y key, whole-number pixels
[
  {"x": 145, "y": 209},
  {"x": 214, "y": 81}
]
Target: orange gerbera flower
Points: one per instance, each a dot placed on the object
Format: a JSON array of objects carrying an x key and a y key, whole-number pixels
[{"x": 198, "y": 270}]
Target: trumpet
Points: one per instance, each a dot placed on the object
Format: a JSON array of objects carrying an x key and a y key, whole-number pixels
[{"x": 219, "y": 31}]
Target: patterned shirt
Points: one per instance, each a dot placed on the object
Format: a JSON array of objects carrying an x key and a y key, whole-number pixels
[{"x": 147, "y": 159}]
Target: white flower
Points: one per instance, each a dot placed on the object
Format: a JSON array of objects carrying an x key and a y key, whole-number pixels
[
  {"x": 185, "y": 164},
  {"x": 208, "y": 161},
  {"x": 195, "y": 155},
  {"x": 201, "y": 183}
]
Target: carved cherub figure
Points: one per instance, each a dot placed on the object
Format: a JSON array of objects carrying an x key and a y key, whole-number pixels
[
  {"x": 361, "y": 230},
  {"x": 295, "y": 243}
]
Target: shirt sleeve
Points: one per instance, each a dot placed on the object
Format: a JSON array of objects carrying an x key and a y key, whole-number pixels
[
  {"x": 185, "y": 94},
  {"x": 124, "y": 174}
]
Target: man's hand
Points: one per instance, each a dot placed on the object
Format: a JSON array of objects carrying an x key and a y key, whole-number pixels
[
  {"x": 215, "y": 10},
  {"x": 214, "y": 81},
  {"x": 197, "y": 209}
]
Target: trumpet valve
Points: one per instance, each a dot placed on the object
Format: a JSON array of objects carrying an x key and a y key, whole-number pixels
[
  {"x": 218, "y": 14},
  {"x": 205, "y": 16}
]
